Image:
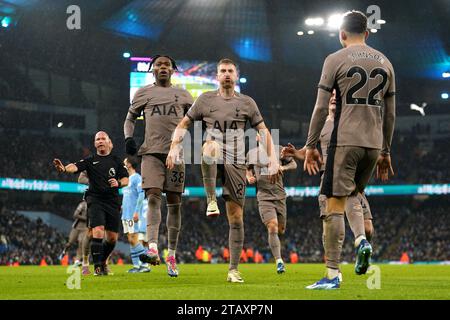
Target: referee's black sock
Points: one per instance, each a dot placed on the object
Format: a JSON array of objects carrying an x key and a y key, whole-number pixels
[
  {"x": 108, "y": 247},
  {"x": 97, "y": 251}
]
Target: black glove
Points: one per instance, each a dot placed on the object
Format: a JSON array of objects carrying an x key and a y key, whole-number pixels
[{"x": 130, "y": 146}]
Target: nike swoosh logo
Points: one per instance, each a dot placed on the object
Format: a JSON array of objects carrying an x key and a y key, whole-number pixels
[
  {"x": 210, "y": 110},
  {"x": 95, "y": 162}
]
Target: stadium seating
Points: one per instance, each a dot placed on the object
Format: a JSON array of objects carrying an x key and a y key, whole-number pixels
[{"x": 417, "y": 229}]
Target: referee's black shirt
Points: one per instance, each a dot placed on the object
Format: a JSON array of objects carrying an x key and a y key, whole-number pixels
[{"x": 99, "y": 170}]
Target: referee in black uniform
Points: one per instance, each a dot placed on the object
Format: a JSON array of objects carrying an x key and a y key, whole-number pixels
[{"x": 106, "y": 175}]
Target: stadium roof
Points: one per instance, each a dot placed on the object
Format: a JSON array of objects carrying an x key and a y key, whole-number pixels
[{"x": 416, "y": 35}]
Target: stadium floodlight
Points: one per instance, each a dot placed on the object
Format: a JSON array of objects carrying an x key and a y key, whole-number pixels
[
  {"x": 126, "y": 55},
  {"x": 373, "y": 30},
  {"x": 6, "y": 21},
  {"x": 446, "y": 74},
  {"x": 300, "y": 33},
  {"x": 444, "y": 95},
  {"x": 60, "y": 124},
  {"x": 311, "y": 32},
  {"x": 314, "y": 21},
  {"x": 335, "y": 21},
  {"x": 243, "y": 80},
  {"x": 381, "y": 21}
]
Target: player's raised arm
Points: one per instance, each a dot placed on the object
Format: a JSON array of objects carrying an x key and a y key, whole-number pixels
[
  {"x": 319, "y": 115},
  {"x": 290, "y": 165},
  {"x": 318, "y": 118},
  {"x": 267, "y": 142},
  {"x": 291, "y": 151},
  {"x": 60, "y": 167},
  {"x": 128, "y": 130},
  {"x": 138, "y": 104},
  {"x": 178, "y": 136}
]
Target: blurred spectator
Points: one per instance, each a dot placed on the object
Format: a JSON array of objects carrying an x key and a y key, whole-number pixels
[
  {"x": 420, "y": 229},
  {"x": 29, "y": 242},
  {"x": 414, "y": 162}
]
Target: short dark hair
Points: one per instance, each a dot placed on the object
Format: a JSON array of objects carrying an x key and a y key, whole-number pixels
[
  {"x": 174, "y": 64},
  {"x": 133, "y": 161},
  {"x": 354, "y": 22},
  {"x": 226, "y": 61}
]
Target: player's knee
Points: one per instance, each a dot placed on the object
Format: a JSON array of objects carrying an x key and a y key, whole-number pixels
[
  {"x": 154, "y": 199},
  {"x": 235, "y": 213},
  {"x": 173, "y": 197},
  {"x": 210, "y": 152},
  {"x": 153, "y": 192},
  {"x": 330, "y": 218},
  {"x": 211, "y": 149},
  {"x": 234, "y": 210},
  {"x": 235, "y": 217},
  {"x": 98, "y": 232},
  {"x": 332, "y": 221},
  {"x": 336, "y": 205},
  {"x": 272, "y": 226}
]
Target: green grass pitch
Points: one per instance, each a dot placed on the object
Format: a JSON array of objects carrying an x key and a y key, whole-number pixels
[{"x": 204, "y": 282}]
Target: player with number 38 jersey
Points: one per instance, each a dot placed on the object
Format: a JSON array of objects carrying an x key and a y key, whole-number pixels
[{"x": 163, "y": 105}]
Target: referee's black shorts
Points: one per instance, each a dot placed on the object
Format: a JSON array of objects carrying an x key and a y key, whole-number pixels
[{"x": 104, "y": 212}]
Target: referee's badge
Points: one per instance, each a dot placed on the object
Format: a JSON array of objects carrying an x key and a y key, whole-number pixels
[{"x": 112, "y": 172}]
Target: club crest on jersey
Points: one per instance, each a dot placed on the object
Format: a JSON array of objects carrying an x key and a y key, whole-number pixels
[{"x": 112, "y": 172}]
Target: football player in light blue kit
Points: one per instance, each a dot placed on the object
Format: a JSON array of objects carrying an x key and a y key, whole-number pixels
[{"x": 133, "y": 198}]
